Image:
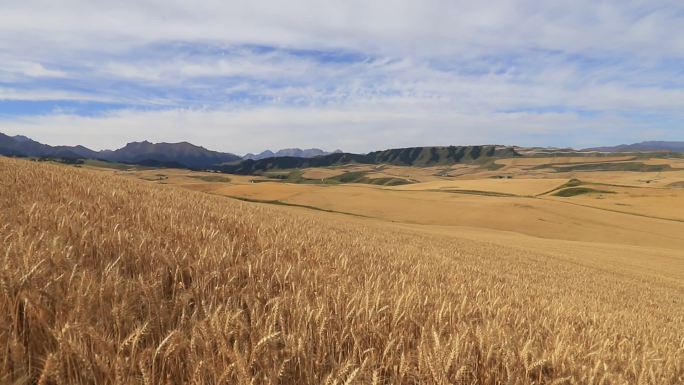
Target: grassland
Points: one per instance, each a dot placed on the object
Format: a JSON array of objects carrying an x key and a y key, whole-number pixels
[{"x": 109, "y": 278}]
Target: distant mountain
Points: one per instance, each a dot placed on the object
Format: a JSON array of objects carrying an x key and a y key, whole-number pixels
[
  {"x": 293, "y": 152},
  {"x": 23, "y": 146},
  {"x": 22, "y": 138},
  {"x": 174, "y": 154},
  {"x": 261, "y": 155},
  {"x": 187, "y": 155},
  {"x": 413, "y": 156},
  {"x": 643, "y": 147},
  {"x": 182, "y": 154}
]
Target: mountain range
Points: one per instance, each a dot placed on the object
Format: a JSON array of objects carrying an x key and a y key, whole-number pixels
[
  {"x": 183, "y": 154},
  {"x": 187, "y": 155},
  {"x": 22, "y": 146},
  {"x": 412, "y": 156},
  {"x": 642, "y": 147},
  {"x": 293, "y": 152}
]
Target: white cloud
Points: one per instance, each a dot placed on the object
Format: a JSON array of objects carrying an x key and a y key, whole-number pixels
[
  {"x": 12, "y": 70},
  {"x": 390, "y": 27},
  {"x": 48, "y": 94},
  {"x": 437, "y": 71},
  {"x": 356, "y": 127}
]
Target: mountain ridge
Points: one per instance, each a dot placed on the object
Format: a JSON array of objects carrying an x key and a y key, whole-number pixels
[
  {"x": 410, "y": 156},
  {"x": 652, "y": 145},
  {"x": 292, "y": 152},
  {"x": 187, "y": 155},
  {"x": 181, "y": 154}
]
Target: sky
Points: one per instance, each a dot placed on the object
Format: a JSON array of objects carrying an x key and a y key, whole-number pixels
[{"x": 241, "y": 76}]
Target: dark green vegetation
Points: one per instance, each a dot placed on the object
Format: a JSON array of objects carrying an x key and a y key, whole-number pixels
[
  {"x": 413, "y": 156},
  {"x": 618, "y": 166},
  {"x": 281, "y": 203},
  {"x": 155, "y": 178},
  {"x": 72, "y": 161},
  {"x": 572, "y": 183},
  {"x": 360, "y": 177},
  {"x": 347, "y": 177},
  {"x": 112, "y": 165},
  {"x": 575, "y": 187},
  {"x": 491, "y": 165},
  {"x": 574, "y": 191},
  {"x": 478, "y": 192},
  {"x": 211, "y": 178}
]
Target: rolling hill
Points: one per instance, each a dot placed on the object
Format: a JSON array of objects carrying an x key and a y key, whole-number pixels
[{"x": 412, "y": 156}]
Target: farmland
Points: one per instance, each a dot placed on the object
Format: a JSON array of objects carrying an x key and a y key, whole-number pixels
[{"x": 564, "y": 270}]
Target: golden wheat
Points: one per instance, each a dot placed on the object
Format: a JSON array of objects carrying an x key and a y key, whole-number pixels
[{"x": 106, "y": 280}]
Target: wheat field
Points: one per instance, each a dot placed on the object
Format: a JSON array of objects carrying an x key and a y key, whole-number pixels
[{"x": 110, "y": 280}]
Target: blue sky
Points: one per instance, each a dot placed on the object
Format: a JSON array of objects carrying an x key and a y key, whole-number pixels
[{"x": 355, "y": 75}]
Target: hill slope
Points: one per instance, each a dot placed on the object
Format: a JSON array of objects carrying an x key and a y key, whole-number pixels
[
  {"x": 412, "y": 156},
  {"x": 108, "y": 280}
]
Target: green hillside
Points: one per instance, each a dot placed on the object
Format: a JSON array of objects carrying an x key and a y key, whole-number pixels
[{"x": 412, "y": 156}]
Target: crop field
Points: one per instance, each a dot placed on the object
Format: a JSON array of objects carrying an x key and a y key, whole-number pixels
[{"x": 524, "y": 273}]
